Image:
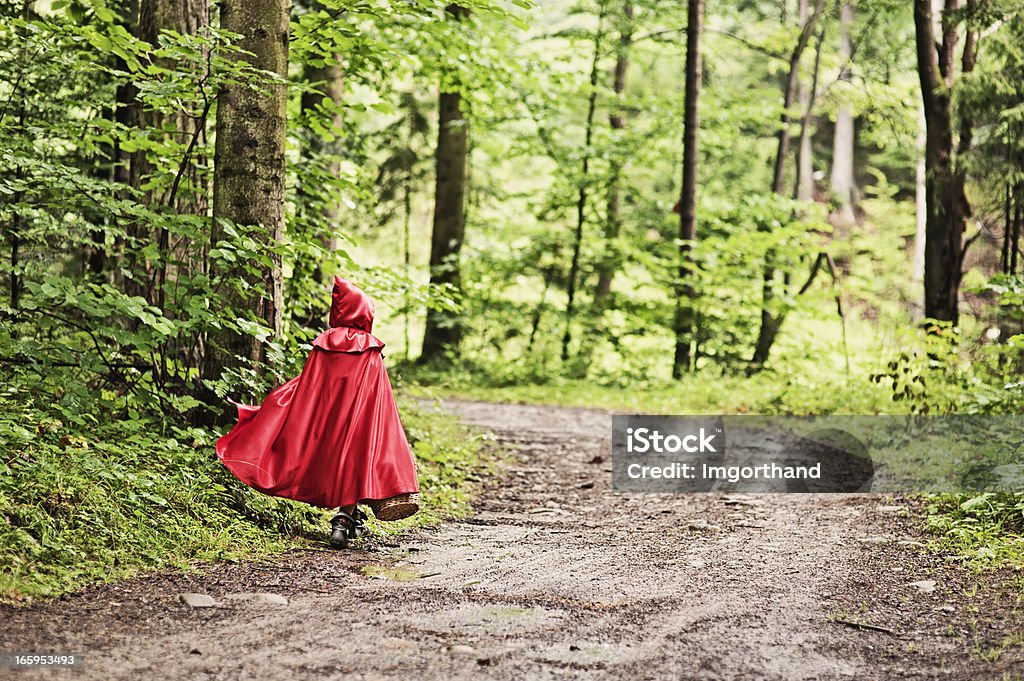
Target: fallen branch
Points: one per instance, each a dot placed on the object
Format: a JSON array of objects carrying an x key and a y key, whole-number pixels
[{"x": 868, "y": 627}]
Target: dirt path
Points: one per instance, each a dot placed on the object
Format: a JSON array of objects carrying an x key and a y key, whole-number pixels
[{"x": 557, "y": 577}]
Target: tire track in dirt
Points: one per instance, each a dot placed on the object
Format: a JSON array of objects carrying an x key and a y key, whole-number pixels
[{"x": 555, "y": 576}]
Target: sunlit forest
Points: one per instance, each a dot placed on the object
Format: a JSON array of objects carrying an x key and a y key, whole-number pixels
[{"x": 751, "y": 206}]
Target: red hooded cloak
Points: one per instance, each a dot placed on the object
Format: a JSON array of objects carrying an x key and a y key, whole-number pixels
[{"x": 331, "y": 436}]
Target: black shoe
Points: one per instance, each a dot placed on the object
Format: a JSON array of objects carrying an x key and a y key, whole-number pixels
[
  {"x": 342, "y": 526},
  {"x": 359, "y": 528}
]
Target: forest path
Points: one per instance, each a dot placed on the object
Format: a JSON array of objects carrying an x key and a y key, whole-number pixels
[{"x": 554, "y": 576}]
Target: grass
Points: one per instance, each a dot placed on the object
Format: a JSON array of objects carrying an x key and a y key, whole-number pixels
[
  {"x": 83, "y": 509},
  {"x": 984, "y": 531},
  {"x": 765, "y": 393}
]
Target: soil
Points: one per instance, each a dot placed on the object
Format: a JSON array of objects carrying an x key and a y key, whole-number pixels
[{"x": 556, "y": 576}]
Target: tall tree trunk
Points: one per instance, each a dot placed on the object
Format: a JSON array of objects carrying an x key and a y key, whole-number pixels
[
  {"x": 804, "y": 159},
  {"x": 16, "y": 223},
  {"x": 613, "y": 223},
  {"x": 1018, "y": 221},
  {"x": 326, "y": 83},
  {"x": 330, "y": 85},
  {"x": 771, "y": 320},
  {"x": 185, "y": 17},
  {"x": 581, "y": 201},
  {"x": 443, "y": 329},
  {"x": 843, "y": 183},
  {"x": 784, "y": 134},
  {"x": 947, "y": 205},
  {"x": 685, "y": 312},
  {"x": 920, "y": 197},
  {"x": 249, "y": 174}
]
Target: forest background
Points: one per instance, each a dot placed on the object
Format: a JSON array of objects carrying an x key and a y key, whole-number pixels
[{"x": 758, "y": 206}]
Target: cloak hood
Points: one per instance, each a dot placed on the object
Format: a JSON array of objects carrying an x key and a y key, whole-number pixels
[
  {"x": 350, "y": 306},
  {"x": 351, "y": 321}
]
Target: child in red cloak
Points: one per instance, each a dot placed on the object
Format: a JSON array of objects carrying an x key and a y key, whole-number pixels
[{"x": 331, "y": 436}]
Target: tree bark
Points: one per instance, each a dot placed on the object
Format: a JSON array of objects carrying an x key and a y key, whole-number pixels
[
  {"x": 581, "y": 201},
  {"x": 789, "y": 95},
  {"x": 947, "y": 208},
  {"x": 843, "y": 183},
  {"x": 329, "y": 84},
  {"x": 920, "y": 200},
  {"x": 804, "y": 155},
  {"x": 443, "y": 331},
  {"x": 685, "y": 312},
  {"x": 613, "y": 223},
  {"x": 1018, "y": 221},
  {"x": 804, "y": 159},
  {"x": 326, "y": 83},
  {"x": 249, "y": 175},
  {"x": 185, "y": 17},
  {"x": 771, "y": 321}
]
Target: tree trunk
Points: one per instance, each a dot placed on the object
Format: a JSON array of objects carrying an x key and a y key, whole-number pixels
[
  {"x": 843, "y": 183},
  {"x": 185, "y": 17},
  {"x": 686, "y": 291},
  {"x": 249, "y": 174},
  {"x": 804, "y": 159},
  {"x": 443, "y": 329},
  {"x": 325, "y": 83},
  {"x": 771, "y": 321},
  {"x": 789, "y": 95},
  {"x": 613, "y": 223},
  {"x": 947, "y": 208},
  {"x": 1018, "y": 221},
  {"x": 581, "y": 201},
  {"x": 329, "y": 84},
  {"x": 920, "y": 200}
]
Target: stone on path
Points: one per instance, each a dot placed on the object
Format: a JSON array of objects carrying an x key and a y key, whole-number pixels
[
  {"x": 197, "y": 600},
  {"x": 925, "y": 585}
]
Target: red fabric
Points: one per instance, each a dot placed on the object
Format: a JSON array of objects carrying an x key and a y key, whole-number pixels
[{"x": 331, "y": 436}]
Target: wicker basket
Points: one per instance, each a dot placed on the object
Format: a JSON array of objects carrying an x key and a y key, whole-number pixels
[{"x": 396, "y": 507}]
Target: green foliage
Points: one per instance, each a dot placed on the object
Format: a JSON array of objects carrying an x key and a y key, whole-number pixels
[
  {"x": 118, "y": 284},
  {"x": 114, "y": 286},
  {"x": 86, "y": 501},
  {"x": 985, "y": 531}
]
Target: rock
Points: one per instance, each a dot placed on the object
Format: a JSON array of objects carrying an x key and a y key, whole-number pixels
[
  {"x": 461, "y": 651},
  {"x": 587, "y": 485},
  {"x": 257, "y": 598},
  {"x": 873, "y": 540},
  {"x": 925, "y": 585},
  {"x": 742, "y": 501},
  {"x": 197, "y": 600},
  {"x": 947, "y": 608},
  {"x": 889, "y": 509},
  {"x": 697, "y": 525}
]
